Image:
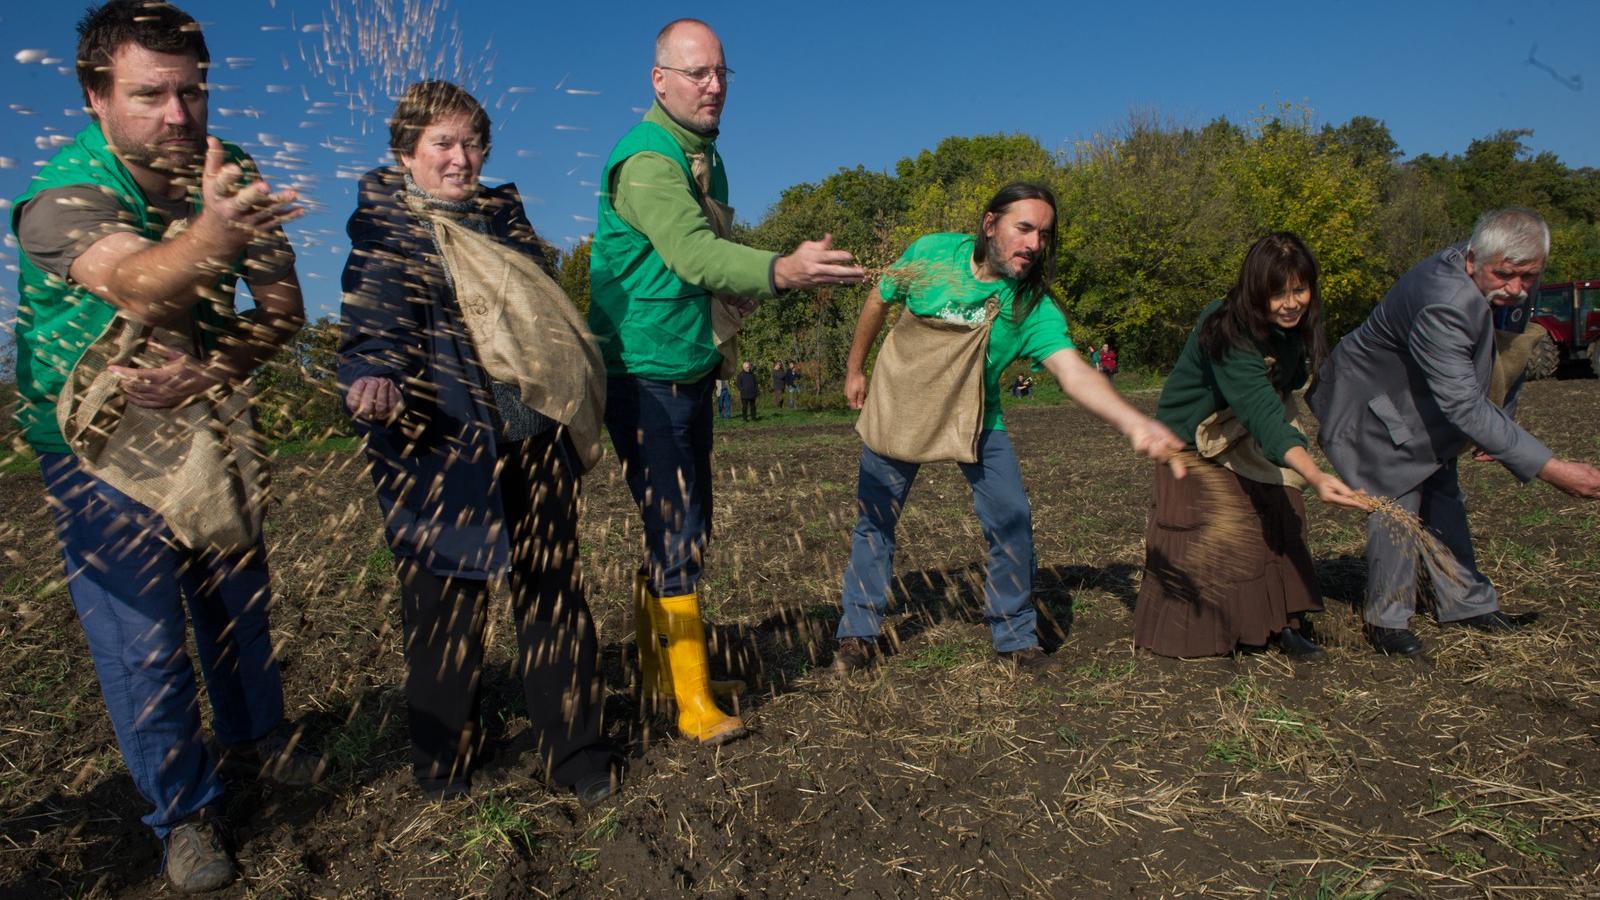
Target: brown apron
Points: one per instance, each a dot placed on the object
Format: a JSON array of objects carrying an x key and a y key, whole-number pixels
[
  {"x": 925, "y": 401},
  {"x": 201, "y": 466}
]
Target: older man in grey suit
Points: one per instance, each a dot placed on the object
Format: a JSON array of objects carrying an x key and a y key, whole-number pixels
[{"x": 1402, "y": 396}]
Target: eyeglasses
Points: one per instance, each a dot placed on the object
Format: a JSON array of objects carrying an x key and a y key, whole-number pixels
[{"x": 701, "y": 77}]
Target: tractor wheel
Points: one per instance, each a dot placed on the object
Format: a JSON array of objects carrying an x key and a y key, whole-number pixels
[
  {"x": 1543, "y": 359},
  {"x": 1594, "y": 358}
]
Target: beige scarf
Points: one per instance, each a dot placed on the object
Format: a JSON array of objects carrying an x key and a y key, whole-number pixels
[
  {"x": 201, "y": 465},
  {"x": 725, "y": 318},
  {"x": 1223, "y": 439},
  {"x": 527, "y": 331},
  {"x": 925, "y": 401}
]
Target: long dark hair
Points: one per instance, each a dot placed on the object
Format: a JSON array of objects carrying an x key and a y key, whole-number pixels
[
  {"x": 1036, "y": 284},
  {"x": 1273, "y": 263}
]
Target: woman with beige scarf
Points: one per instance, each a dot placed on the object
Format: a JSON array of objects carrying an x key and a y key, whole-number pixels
[
  {"x": 477, "y": 390},
  {"x": 1226, "y": 559}
]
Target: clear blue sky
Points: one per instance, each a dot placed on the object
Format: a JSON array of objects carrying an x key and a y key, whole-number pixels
[{"x": 825, "y": 85}]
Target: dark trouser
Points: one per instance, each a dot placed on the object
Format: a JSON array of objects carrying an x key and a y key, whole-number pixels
[
  {"x": 747, "y": 408},
  {"x": 557, "y": 651},
  {"x": 1392, "y": 561},
  {"x": 662, "y": 433}
]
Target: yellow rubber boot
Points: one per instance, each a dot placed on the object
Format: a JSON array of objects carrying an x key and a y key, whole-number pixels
[
  {"x": 654, "y": 680},
  {"x": 654, "y": 674},
  {"x": 699, "y": 717}
]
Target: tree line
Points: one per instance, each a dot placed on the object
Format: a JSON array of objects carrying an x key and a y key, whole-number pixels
[{"x": 1154, "y": 222}]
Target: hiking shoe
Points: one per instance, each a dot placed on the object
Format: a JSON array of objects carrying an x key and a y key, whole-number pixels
[
  {"x": 1497, "y": 622},
  {"x": 277, "y": 758},
  {"x": 1033, "y": 660},
  {"x": 854, "y": 655},
  {"x": 196, "y": 859},
  {"x": 1394, "y": 641},
  {"x": 1297, "y": 646}
]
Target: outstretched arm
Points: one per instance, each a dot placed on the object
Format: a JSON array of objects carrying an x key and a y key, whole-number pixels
[
  {"x": 1092, "y": 391},
  {"x": 873, "y": 313},
  {"x": 157, "y": 282}
]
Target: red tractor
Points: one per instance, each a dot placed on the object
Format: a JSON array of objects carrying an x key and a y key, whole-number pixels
[{"x": 1569, "y": 313}]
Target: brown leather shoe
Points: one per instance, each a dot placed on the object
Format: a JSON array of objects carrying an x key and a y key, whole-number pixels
[
  {"x": 278, "y": 758},
  {"x": 854, "y": 655},
  {"x": 1034, "y": 661}
]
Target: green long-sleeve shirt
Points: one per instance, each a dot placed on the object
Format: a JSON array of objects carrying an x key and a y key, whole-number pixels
[
  {"x": 652, "y": 195},
  {"x": 656, "y": 260},
  {"x": 1200, "y": 386}
]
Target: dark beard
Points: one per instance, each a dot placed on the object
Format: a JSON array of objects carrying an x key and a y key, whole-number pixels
[{"x": 1001, "y": 267}]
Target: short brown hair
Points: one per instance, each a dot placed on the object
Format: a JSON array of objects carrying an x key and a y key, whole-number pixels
[
  {"x": 425, "y": 103},
  {"x": 154, "y": 25}
]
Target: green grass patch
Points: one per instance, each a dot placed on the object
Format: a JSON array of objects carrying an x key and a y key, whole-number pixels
[
  {"x": 20, "y": 459},
  {"x": 302, "y": 447},
  {"x": 360, "y": 741},
  {"x": 1345, "y": 883},
  {"x": 1504, "y": 828},
  {"x": 1460, "y": 860},
  {"x": 377, "y": 569},
  {"x": 941, "y": 655},
  {"x": 1232, "y": 751},
  {"x": 586, "y": 857},
  {"x": 497, "y": 825},
  {"x": 1102, "y": 672}
]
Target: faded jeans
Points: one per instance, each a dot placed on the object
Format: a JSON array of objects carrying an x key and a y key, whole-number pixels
[{"x": 1003, "y": 512}]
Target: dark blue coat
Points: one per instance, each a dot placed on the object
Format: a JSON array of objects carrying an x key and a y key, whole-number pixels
[{"x": 434, "y": 468}]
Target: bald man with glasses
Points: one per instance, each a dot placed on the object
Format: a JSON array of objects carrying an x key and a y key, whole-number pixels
[{"x": 668, "y": 288}]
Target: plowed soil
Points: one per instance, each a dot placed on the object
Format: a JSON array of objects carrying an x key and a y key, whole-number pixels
[{"x": 940, "y": 773}]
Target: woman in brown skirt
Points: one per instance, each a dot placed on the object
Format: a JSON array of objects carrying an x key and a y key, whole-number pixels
[{"x": 1226, "y": 559}]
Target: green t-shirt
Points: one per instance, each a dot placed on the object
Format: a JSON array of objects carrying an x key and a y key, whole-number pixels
[{"x": 934, "y": 278}]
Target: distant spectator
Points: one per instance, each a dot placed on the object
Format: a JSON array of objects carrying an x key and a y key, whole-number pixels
[
  {"x": 1108, "y": 361},
  {"x": 780, "y": 378},
  {"x": 724, "y": 399},
  {"x": 791, "y": 384},
  {"x": 749, "y": 389}
]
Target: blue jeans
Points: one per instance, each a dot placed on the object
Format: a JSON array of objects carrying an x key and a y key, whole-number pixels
[
  {"x": 725, "y": 404},
  {"x": 1007, "y": 520},
  {"x": 662, "y": 434},
  {"x": 129, "y": 583}
]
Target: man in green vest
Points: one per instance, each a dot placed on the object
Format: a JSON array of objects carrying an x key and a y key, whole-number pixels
[
  {"x": 662, "y": 269},
  {"x": 99, "y": 248}
]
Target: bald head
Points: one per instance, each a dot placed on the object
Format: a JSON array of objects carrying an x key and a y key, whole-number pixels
[
  {"x": 678, "y": 31},
  {"x": 690, "y": 75}
]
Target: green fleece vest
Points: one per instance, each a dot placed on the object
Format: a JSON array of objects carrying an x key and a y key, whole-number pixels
[
  {"x": 648, "y": 321},
  {"x": 57, "y": 320}
]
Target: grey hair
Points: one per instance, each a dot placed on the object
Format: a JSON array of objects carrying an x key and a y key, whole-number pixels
[
  {"x": 1516, "y": 234},
  {"x": 663, "y": 37}
]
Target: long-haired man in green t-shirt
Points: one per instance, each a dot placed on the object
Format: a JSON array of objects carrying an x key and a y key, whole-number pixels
[{"x": 1011, "y": 261}]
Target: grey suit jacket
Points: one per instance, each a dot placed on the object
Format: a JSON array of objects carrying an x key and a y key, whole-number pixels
[{"x": 1409, "y": 389}]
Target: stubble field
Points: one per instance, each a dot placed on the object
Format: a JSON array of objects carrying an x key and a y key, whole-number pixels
[{"x": 941, "y": 773}]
